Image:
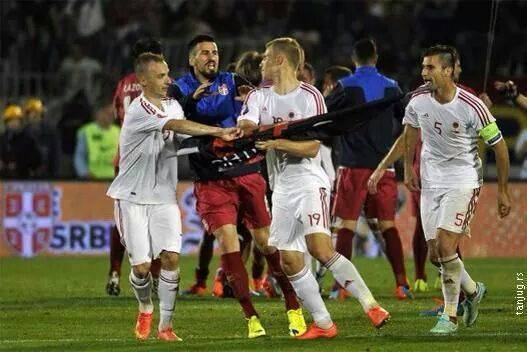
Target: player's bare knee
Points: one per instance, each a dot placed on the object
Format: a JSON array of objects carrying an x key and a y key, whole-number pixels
[
  {"x": 349, "y": 224},
  {"x": 228, "y": 241},
  {"x": 141, "y": 270},
  {"x": 447, "y": 243},
  {"x": 292, "y": 263},
  {"x": 321, "y": 253},
  {"x": 169, "y": 260},
  {"x": 432, "y": 252},
  {"x": 385, "y": 225}
]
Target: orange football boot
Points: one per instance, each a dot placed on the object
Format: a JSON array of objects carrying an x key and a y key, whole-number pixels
[
  {"x": 314, "y": 332},
  {"x": 168, "y": 335},
  {"x": 142, "y": 327},
  {"x": 378, "y": 316}
]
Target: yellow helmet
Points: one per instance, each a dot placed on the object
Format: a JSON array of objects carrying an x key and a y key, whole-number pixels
[
  {"x": 12, "y": 111},
  {"x": 34, "y": 104}
]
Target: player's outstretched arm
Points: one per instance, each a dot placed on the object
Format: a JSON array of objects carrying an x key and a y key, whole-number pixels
[
  {"x": 197, "y": 129},
  {"x": 395, "y": 153},
  {"x": 502, "y": 163},
  {"x": 410, "y": 139},
  {"x": 302, "y": 149},
  {"x": 247, "y": 126}
]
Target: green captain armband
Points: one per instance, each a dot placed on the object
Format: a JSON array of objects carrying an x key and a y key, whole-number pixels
[{"x": 490, "y": 134}]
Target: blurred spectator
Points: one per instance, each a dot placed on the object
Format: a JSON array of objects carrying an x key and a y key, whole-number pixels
[
  {"x": 510, "y": 90},
  {"x": 309, "y": 74},
  {"x": 80, "y": 74},
  {"x": 332, "y": 75},
  {"x": 88, "y": 16},
  {"x": 96, "y": 147},
  {"x": 46, "y": 135},
  {"x": 521, "y": 152},
  {"x": 248, "y": 67},
  {"x": 19, "y": 154}
]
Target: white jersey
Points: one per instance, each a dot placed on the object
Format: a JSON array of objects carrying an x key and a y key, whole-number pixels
[
  {"x": 450, "y": 132},
  {"x": 148, "y": 162},
  {"x": 264, "y": 107}
]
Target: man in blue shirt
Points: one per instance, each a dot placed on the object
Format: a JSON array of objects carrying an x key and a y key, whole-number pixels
[
  {"x": 360, "y": 154},
  {"x": 209, "y": 96}
]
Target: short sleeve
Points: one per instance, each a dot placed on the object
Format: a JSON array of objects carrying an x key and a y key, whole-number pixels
[
  {"x": 251, "y": 108},
  {"x": 141, "y": 119},
  {"x": 410, "y": 116},
  {"x": 483, "y": 122},
  {"x": 317, "y": 106}
]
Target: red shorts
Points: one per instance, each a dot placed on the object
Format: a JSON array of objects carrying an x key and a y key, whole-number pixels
[
  {"x": 370, "y": 207},
  {"x": 352, "y": 193},
  {"x": 219, "y": 202}
]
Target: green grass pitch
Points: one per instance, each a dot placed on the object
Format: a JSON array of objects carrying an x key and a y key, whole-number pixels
[{"x": 59, "y": 304}]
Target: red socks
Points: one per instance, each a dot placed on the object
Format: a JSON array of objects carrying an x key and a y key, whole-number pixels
[
  {"x": 237, "y": 278},
  {"x": 420, "y": 249},
  {"x": 344, "y": 244},
  {"x": 394, "y": 253},
  {"x": 116, "y": 250},
  {"x": 273, "y": 260}
]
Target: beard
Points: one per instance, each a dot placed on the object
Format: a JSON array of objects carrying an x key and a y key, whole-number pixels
[{"x": 209, "y": 74}]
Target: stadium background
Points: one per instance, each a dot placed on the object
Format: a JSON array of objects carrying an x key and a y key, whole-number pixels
[{"x": 39, "y": 37}]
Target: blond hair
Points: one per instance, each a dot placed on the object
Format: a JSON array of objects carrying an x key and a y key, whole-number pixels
[
  {"x": 290, "y": 48},
  {"x": 142, "y": 61}
]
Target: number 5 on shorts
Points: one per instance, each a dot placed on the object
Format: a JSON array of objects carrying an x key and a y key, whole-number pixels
[{"x": 459, "y": 219}]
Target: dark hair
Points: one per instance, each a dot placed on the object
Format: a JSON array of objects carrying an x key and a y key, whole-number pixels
[
  {"x": 337, "y": 72},
  {"x": 144, "y": 59},
  {"x": 231, "y": 67},
  {"x": 448, "y": 54},
  {"x": 147, "y": 45},
  {"x": 310, "y": 68},
  {"x": 248, "y": 66},
  {"x": 200, "y": 38},
  {"x": 365, "y": 50}
]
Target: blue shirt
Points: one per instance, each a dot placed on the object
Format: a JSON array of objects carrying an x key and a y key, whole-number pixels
[
  {"x": 218, "y": 107},
  {"x": 366, "y": 147}
]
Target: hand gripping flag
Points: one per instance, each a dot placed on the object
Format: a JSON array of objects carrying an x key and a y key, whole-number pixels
[{"x": 226, "y": 155}]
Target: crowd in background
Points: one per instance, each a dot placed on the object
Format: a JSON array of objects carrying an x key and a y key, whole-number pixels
[{"x": 71, "y": 54}]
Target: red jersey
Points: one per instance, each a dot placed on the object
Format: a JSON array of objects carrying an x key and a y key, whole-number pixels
[{"x": 127, "y": 90}]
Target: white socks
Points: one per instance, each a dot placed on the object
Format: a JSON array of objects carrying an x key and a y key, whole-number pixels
[
  {"x": 306, "y": 288},
  {"x": 349, "y": 278},
  {"x": 467, "y": 284},
  {"x": 166, "y": 291},
  {"x": 451, "y": 269},
  {"x": 143, "y": 292}
]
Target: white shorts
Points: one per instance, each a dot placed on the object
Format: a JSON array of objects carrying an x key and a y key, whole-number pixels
[
  {"x": 297, "y": 215},
  {"x": 450, "y": 209},
  {"x": 148, "y": 229}
]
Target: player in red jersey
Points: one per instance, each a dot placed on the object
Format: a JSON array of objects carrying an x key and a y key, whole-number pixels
[{"x": 127, "y": 90}]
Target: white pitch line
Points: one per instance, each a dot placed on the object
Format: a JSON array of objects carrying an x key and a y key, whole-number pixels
[{"x": 193, "y": 338}]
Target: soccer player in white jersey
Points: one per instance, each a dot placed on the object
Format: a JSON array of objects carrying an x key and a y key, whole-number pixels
[
  {"x": 300, "y": 212},
  {"x": 451, "y": 120},
  {"x": 146, "y": 211}
]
